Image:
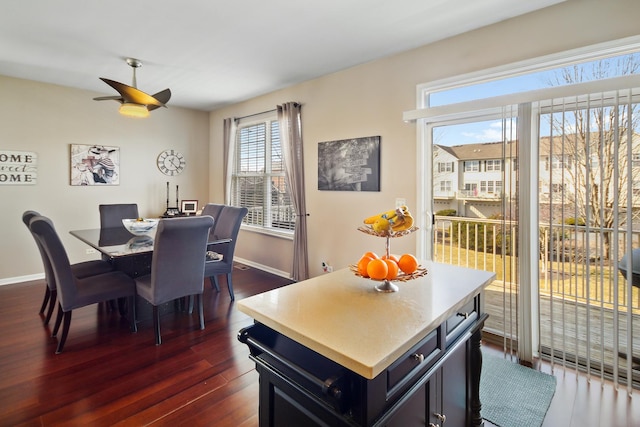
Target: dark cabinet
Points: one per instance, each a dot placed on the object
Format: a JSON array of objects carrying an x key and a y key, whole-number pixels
[{"x": 435, "y": 382}]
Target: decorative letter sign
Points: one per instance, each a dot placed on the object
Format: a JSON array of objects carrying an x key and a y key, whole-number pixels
[{"x": 18, "y": 168}]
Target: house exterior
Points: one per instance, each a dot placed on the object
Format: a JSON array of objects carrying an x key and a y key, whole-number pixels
[{"x": 471, "y": 178}]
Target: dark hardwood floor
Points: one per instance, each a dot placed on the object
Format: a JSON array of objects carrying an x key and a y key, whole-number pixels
[{"x": 108, "y": 376}]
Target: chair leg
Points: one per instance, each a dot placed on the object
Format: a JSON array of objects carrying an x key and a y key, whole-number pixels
[
  {"x": 52, "y": 305},
  {"x": 47, "y": 294},
  {"x": 230, "y": 286},
  {"x": 200, "y": 311},
  {"x": 65, "y": 331},
  {"x": 214, "y": 283},
  {"x": 122, "y": 306},
  {"x": 132, "y": 313},
  {"x": 156, "y": 324},
  {"x": 58, "y": 321},
  {"x": 190, "y": 303}
]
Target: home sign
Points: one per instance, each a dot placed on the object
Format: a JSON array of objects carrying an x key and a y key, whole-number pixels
[{"x": 18, "y": 167}]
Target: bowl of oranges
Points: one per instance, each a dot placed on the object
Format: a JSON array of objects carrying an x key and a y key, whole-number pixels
[{"x": 388, "y": 268}]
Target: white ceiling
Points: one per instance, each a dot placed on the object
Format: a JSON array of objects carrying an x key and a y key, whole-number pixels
[{"x": 211, "y": 53}]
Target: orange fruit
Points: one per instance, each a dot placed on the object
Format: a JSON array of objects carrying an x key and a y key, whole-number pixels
[
  {"x": 391, "y": 256},
  {"x": 371, "y": 254},
  {"x": 392, "y": 268},
  {"x": 377, "y": 269},
  {"x": 362, "y": 265},
  {"x": 408, "y": 263}
]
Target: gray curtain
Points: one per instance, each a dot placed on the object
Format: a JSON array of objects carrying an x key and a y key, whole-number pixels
[
  {"x": 289, "y": 119},
  {"x": 228, "y": 148}
]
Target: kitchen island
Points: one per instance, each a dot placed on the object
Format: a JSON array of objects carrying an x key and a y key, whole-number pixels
[{"x": 332, "y": 350}]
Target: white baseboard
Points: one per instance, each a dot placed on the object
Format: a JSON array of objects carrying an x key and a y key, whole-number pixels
[
  {"x": 30, "y": 277},
  {"x": 20, "y": 279},
  {"x": 266, "y": 268}
]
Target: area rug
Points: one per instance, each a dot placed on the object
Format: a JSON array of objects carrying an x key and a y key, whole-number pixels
[{"x": 513, "y": 395}]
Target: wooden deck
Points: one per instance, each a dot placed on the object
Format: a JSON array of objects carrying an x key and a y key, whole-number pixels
[{"x": 577, "y": 333}]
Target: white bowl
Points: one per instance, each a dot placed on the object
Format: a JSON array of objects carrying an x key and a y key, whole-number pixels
[{"x": 140, "y": 226}]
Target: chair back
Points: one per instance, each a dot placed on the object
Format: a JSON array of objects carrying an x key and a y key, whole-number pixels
[
  {"x": 227, "y": 227},
  {"x": 43, "y": 229},
  {"x": 111, "y": 216},
  {"x": 213, "y": 210},
  {"x": 48, "y": 271},
  {"x": 177, "y": 266}
]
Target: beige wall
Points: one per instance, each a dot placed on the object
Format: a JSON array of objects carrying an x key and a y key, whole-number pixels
[
  {"x": 370, "y": 99},
  {"x": 361, "y": 101},
  {"x": 46, "y": 119}
]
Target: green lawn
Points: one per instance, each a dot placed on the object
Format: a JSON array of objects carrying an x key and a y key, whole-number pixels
[{"x": 561, "y": 279}]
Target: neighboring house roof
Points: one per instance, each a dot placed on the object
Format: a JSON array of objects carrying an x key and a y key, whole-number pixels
[
  {"x": 481, "y": 151},
  {"x": 494, "y": 150}
]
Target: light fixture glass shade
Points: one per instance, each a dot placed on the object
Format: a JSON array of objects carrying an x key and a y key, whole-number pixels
[{"x": 134, "y": 110}]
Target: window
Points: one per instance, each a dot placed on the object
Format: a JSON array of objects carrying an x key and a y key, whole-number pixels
[
  {"x": 445, "y": 186},
  {"x": 493, "y": 165},
  {"x": 445, "y": 167},
  {"x": 258, "y": 181},
  {"x": 472, "y": 166}
]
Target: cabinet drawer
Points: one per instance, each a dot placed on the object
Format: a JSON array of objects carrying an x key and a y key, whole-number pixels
[
  {"x": 459, "y": 322},
  {"x": 421, "y": 356}
]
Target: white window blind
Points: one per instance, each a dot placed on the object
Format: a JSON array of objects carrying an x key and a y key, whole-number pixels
[{"x": 258, "y": 181}]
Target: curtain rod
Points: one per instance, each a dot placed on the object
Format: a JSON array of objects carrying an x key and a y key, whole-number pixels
[
  {"x": 262, "y": 112},
  {"x": 256, "y": 114}
]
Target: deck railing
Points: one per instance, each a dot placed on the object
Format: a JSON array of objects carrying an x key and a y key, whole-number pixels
[{"x": 589, "y": 315}]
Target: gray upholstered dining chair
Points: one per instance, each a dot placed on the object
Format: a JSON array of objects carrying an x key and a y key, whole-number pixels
[
  {"x": 111, "y": 216},
  {"x": 73, "y": 292},
  {"x": 227, "y": 227},
  {"x": 213, "y": 210},
  {"x": 177, "y": 265},
  {"x": 80, "y": 270}
]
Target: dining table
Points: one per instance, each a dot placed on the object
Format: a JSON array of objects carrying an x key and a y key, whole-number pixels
[
  {"x": 128, "y": 252},
  {"x": 132, "y": 254}
]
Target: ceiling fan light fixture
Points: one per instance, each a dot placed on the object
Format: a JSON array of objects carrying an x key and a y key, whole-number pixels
[{"x": 134, "y": 110}]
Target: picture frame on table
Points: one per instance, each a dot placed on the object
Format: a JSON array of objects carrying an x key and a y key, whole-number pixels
[{"x": 189, "y": 207}]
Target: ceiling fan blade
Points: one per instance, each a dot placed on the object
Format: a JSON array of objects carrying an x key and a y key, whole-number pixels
[
  {"x": 133, "y": 95},
  {"x": 163, "y": 97},
  {"x": 109, "y": 98}
]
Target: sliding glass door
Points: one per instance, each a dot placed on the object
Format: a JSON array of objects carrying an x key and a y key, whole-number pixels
[{"x": 545, "y": 192}]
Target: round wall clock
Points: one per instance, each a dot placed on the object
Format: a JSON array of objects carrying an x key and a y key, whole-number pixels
[{"x": 171, "y": 162}]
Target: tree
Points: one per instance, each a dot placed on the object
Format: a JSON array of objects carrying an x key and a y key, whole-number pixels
[{"x": 588, "y": 148}]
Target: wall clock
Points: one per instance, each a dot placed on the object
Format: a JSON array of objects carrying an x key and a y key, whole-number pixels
[{"x": 171, "y": 162}]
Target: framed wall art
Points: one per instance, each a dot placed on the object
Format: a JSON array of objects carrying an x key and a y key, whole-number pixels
[
  {"x": 95, "y": 165},
  {"x": 349, "y": 164},
  {"x": 18, "y": 167}
]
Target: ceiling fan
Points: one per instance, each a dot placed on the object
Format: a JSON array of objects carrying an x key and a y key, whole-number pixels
[{"x": 135, "y": 103}]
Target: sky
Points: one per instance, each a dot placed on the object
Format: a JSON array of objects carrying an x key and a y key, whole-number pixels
[
  {"x": 485, "y": 131},
  {"x": 491, "y": 131}
]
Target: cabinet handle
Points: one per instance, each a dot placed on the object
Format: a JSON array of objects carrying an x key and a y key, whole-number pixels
[
  {"x": 465, "y": 315},
  {"x": 419, "y": 357},
  {"x": 434, "y": 425},
  {"x": 441, "y": 417}
]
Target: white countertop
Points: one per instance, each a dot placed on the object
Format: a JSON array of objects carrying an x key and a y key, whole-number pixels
[{"x": 343, "y": 317}]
